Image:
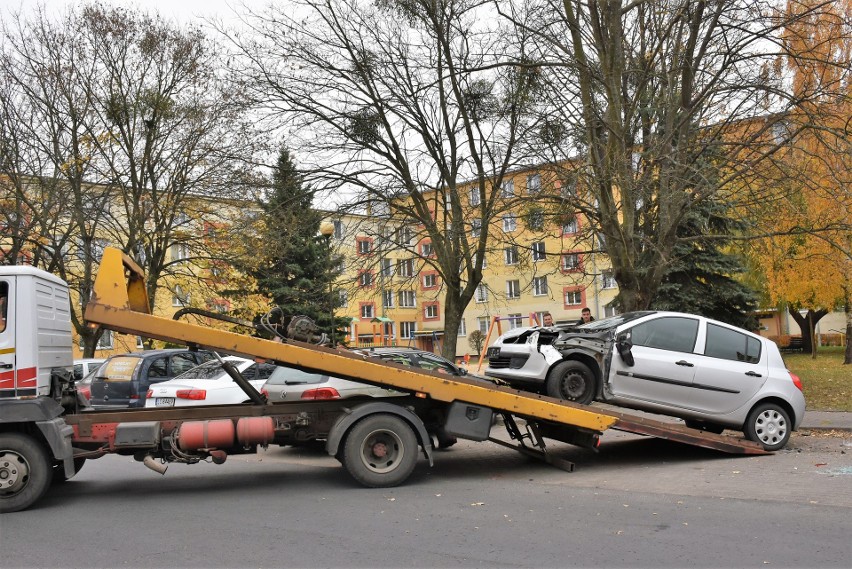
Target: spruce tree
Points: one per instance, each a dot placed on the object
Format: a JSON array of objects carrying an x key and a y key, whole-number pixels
[
  {"x": 700, "y": 279},
  {"x": 295, "y": 265}
]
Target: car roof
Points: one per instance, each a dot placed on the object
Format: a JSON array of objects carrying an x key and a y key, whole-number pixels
[{"x": 151, "y": 353}]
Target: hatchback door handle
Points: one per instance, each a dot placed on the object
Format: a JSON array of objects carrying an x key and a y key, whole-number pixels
[
  {"x": 684, "y": 363},
  {"x": 753, "y": 374}
]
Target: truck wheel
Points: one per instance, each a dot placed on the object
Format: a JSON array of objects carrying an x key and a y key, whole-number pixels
[
  {"x": 572, "y": 381},
  {"x": 769, "y": 425},
  {"x": 25, "y": 471},
  {"x": 380, "y": 451}
]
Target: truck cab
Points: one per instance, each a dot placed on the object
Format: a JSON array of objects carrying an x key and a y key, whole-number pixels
[{"x": 35, "y": 331}]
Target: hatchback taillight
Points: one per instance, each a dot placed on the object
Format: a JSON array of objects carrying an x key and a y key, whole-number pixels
[
  {"x": 321, "y": 393},
  {"x": 150, "y": 394},
  {"x": 796, "y": 381},
  {"x": 195, "y": 394},
  {"x": 264, "y": 392}
]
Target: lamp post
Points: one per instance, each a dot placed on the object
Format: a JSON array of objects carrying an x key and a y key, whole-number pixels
[{"x": 327, "y": 230}]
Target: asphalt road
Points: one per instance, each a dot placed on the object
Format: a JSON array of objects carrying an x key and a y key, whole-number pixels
[{"x": 638, "y": 503}]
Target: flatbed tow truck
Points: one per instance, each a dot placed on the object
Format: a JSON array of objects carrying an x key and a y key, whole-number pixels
[{"x": 47, "y": 431}]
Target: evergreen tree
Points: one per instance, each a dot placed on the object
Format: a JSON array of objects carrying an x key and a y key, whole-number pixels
[
  {"x": 700, "y": 279},
  {"x": 295, "y": 265}
]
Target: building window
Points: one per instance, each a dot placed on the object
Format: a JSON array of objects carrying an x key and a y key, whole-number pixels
[
  {"x": 484, "y": 261},
  {"x": 180, "y": 251},
  {"x": 180, "y": 297},
  {"x": 515, "y": 321},
  {"x": 573, "y": 297},
  {"x": 481, "y": 294},
  {"x": 482, "y": 324},
  {"x": 406, "y": 236},
  {"x": 368, "y": 310},
  {"x": 426, "y": 249},
  {"x": 386, "y": 270},
  {"x": 535, "y": 220},
  {"x": 510, "y": 254},
  {"x": 571, "y": 262},
  {"x": 462, "y": 328},
  {"x": 105, "y": 341},
  {"x": 364, "y": 245},
  {"x": 405, "y": 268},
  {"x": 387, "y": 298},
  {"x": 476, "y": 227},
  {"x": 365, "y": 279},
  {"x": 509, "y": 223},
  {"x": 338, "y": 229},
  {"x": 539, "y": 286},
  {"x": 407, "y": 329},
  {"x": 474, "y": 197},
  {"x": 507, "y": 190},
  {"x": 568, "y": 187},
  {"x": 538, "y": 253},
  {"x": 513, "y": 289},
  {"x": 608, "y": 280},
  {"x": 533, "y": 183},
  {"x": 569, "y": 227},
  {"x": 430, "y": 280},
  {"x": 407, "y": 299},
  {"x": 539, "y": 318},
  {"x": 342, "y": 299},
  {"x": 609, "y": 310},
  {"x": 430, "y": 311}
]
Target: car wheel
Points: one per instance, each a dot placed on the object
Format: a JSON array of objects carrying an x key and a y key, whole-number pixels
[
  {"x": 704, "y": 426},
  {"x": 25, "y": 472},
  {"x": 380, "y": 451},
  {"x": 572, "y": 381},
  {"x": 769, "y": 425}
]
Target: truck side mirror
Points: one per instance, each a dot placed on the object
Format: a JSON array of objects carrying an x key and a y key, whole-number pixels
[{"x": 623, "y": 346}]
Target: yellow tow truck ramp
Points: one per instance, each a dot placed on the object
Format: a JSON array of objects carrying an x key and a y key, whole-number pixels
[{"x": 119, "y": 302}]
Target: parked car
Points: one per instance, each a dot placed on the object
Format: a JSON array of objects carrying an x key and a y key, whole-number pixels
[
  {"x": 414, "y": 358},
  {"x": 84, "y": 386},
  {"x": 208, "y": 384},
  {"x": 290, "y": 384},
  {"x": 124, "y": 380},
  {"x": 85, "y": 366},
  {"x": 712, "y": 375}
]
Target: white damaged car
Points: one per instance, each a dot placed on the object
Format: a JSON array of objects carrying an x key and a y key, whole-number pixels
[{"x": 711, "y": 374}]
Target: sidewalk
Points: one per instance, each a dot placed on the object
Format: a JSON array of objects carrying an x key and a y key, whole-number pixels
[{"x": 827, "y": 420}]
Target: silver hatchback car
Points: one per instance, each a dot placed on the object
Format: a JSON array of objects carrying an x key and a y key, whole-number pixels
[{"x": 712, "y": 375}]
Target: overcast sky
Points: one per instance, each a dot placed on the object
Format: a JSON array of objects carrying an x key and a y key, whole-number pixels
[{"x": 187, "y": 11}]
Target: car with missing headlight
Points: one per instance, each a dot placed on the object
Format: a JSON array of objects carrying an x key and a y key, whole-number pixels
[{"x": 713, "y": 375}]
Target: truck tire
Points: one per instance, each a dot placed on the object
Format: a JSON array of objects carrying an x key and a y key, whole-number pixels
[
  {"x": 572, "y": 381},
  {"x": 380, "y": 451},
  {"x": 769, "y": 425},
  {"x": 25, "y": 471}
]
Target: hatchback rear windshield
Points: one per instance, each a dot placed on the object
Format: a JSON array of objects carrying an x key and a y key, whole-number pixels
[{"x": 119, "y": 369}]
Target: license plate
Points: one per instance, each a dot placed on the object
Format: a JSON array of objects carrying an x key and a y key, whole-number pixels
[
  {"x": 164, "y": 402},
  {"x": 493, "y": 353}
]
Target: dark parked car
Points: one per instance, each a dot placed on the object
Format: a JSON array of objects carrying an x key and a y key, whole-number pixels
[
  {"x": 414, "y": 358},
  {"x": 124, "y": 380}
]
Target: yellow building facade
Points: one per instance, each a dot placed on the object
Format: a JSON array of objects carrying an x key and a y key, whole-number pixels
[{"x": 536, "y": 262}]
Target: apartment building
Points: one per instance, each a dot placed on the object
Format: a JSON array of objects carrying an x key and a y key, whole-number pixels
[{"x": 537, "y": 262}]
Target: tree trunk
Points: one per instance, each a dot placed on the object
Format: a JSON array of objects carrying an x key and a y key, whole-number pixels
[
  {"x": 807, "y": 324},
  {"x": 847, "y": 308}
]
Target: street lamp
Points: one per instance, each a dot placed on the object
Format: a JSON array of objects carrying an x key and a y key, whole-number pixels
[{"x": 327, "y": 230}]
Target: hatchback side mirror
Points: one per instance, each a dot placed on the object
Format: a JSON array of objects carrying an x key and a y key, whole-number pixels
[{"x": 623, "y": 346}]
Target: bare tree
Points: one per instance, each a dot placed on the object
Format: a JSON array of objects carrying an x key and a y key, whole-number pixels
[
  {"x": 658, "y": 107},
  {"x": 121, "y": 131},
  {"x": 400, "y": 108}
]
